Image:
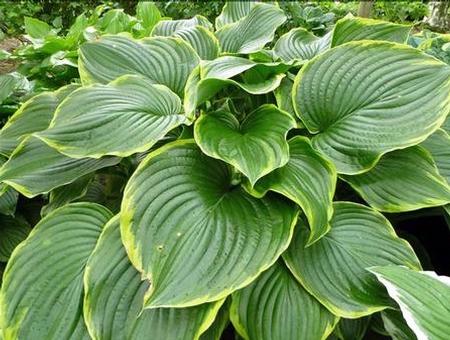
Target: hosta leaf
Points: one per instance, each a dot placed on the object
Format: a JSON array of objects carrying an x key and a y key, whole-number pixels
[
  {"x": 42, "y": 289},
  {"x": 36, "y": 28},
  {"x": 351, "y": 29},
  {"x": 169, "y": 27},
  {"x": 256, "y": 146},
  {"x": 181, "y": 205},
  {"x": 35, "y": 168},
  {"x": 34, "y": 115},
  {"x": 298, "y": 180},
  {"x": 164, "y": 60},
  {"x": 8, "y": 83},
  {"x": 232, "y": 11},
  {"x": 298, "y": 43},
  {"x": 424, "y": 299},
  {"x": 12, "y": 232},
  {"x": 402, "y": 180},
  {"x": 8, "y": 201},
  {"x": 333, "y": 269},
  {"x": 352, "y": 329},
  {"x": 137, "y": 112},
  {"x": 67, "y": 193},
  {"x": 276, "y": 306},
  {"x": 114, "y": 292},
  {"x": 283, "y": 96},
  {"x": 395, "y": 325},
  {"x": 252, "y": 32},
  {"x": 438, "y": 145},
  {"x": 148, "y": 13},
  {"x": 214, "y": 332},
  {"x": 203, "y": 41},
  {"x": 446, "y": 125},
  {"x": 363, "y": 99},
  {"x": 212, "y": 76}
]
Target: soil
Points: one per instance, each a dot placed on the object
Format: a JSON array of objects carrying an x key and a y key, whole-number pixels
[{"x": 9, "y": 45}]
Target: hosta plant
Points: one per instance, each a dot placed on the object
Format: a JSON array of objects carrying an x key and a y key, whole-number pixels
[{"x": 206, "y": 177}]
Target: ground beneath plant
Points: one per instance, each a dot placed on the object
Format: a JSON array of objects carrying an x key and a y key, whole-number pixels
[{"x": 9, "y": 45}]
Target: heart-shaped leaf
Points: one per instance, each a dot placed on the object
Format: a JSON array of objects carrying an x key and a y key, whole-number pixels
[
  {"x": 364, "y": 99},
  {"x": 35, "y": 168},
  {"x": 352, "y": 29},
  {"x": 423, "y": 297},
  {"x": 132, "y": 109},
  {"x": 298, "y": 43},
  {"x": 114, "y": 293},
  {"x": 42, "y": 289},
  {"x": 167, "y": 28},
  {"x": 192, "y": 233},
  {"x": 297, "y": 180},
  {"x": 276, "y": 306},
  {"x": 402, "y": 180},
  {"x": 333, "y": 269},
  {"x": 256, "y": 146},
  {"x": 164, "y": 60},
  {"x": 252, "y": 32}
]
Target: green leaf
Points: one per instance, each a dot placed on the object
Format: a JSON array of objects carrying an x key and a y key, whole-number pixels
[
  {"x": 137, "y": 112},
  {"x": 35, "y": 168},
  {"x": 34, "y": 115},
  {"x": 164, "y": 60},
  {"x": 256, "y": 146},
  {"x": 438, "y": 145},
  {"x": 298, "y": 180},
  {"x": 233, "y": 11},
  {"x": 364, "y": 99},
  {"x": 333, "y": 269},
  {"x": 351, "y": 29},
  {"x": 42, "y": 292},
  {"x": 181, "y": 205},
  {"x": 402, "y": 180},
  {"x": 8, "y": 201},
  {"x": 423, "y": 297},
  {"x": 148, "y": 13},
  {"x": 252, "y": 32},
  {"x": 214, "y": 332},
  {"x": 212, "y": 76},
  {"x": 283, "y": 96},
  {"x": 8, "y": 83},
  {"x": 114, "y": 292},
  {"x": 446, "y": 125},
  {"x": 202, "y": 41},
  {"x": 12, "y": 232},
  {"x": 167, "y": 28},
  {"x": 300, "y": 44},
  {"x": 36, "y": 28},
  {"x": 276, "y": 306},
  {"x": 67, "y": 193},
  {"x": 352, "y": 329},
  {"x": 395, "y": 325}
]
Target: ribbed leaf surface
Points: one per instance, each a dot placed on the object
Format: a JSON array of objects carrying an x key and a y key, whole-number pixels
[
  {"x": 402, "y": 180},
  {"x": 438, "y": 145},
  {"x": 252, "y": 32},
  {"x": 424, "y": 299},
  {"x": 298, "y": 43},
  {"x": 192, "y": 233},
  {"x": 351, "y": 29},
  {"x": 8, "y": 196},
  {"x": 203, "y": 41},
  {"x": 395, "y": 325},
  {"x": 114, "y": 293},
  {"x": 232, "y": 11},
  {"x": 134, "y": 111},
  {"x": 42, "y": 291},
  {"x": 167, "y": 28},
  {"x": 12, "y": 232},
  {"x": 363, "y": 99},
  {"x": 214, "y": 332},
  {"x": 307, "y": 179},
  {"x": 164, "y": 60},
  {"x": 333, "y": 269},
  {"x": 34, "y": 115},
  {"x": 276, "y": 306},
  {"x": 35, "y": 168},
  {"x": 256, "y": 146},
  {"x": 352, "y": 329}
]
